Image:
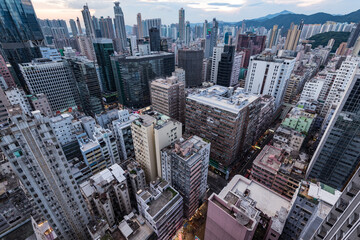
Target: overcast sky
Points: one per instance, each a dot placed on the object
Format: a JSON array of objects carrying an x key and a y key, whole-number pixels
[{"x": 196, "y": 11}]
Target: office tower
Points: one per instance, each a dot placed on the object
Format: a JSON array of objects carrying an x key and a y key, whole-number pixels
[
  {"x": 79, "y": 26},
  {"x": 268, "y": 75},
  {"x": 120, "y": 25},
  {"x": 6, "y": 74},
  {"x": 16, "y": 96},
  {"x": 182, "y": 24},
  {"x": 185, "y": 166},
  {"x": 89, "y": 25},
  {"x": 225, "y": 67},
  {"x": 87, "y": 83},
  {"x": 168, "y": 97},
  {"x": 122, "y": 130},
  {"x": 73, "y": 27},
  {"x": 20, "y": 34},
  {"x": 191, "y": 61},
  {"x": 107, "y": 195},
  {"x": 106, "y": 28},
  {"x": 210, "y": 39},
  {"x": 312, "y": 204},
  {"x": 61, "y": 92},
  {"x": 342, "y": 220},
  {"x": 354, "y": 35},
  {"x": 216, "y": 57},
  {"x": 338, "y": 153},
  {"x": 150, "y": 134},
  {"x": 139, "y": 26},
  {"x": 37, "y": 159},
  {"x": 273, "y": 35},
  {"x": 4, "y": 106},
  {"x": 96, "y": 24},
  {"x": 292, "y": 37},
  {"x": 228, "y": 120},
  {"x": 154, "y": 35},
  {"x": 162, "y": 208},
  {"x": 250, "y": 44},
  {"x": 242, "y": 208},
  {"x": 41, "y": 103},
  {"x": 103, "y": 49},
  {"x": 134, "y": 74}
]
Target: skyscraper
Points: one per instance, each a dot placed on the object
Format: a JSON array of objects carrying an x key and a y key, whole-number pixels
[
  {"x": 103, "y": 49},
  {"x": 292, "y": 37},
  {"x": 89, "y": 25},
  {"x": 20, "y": 33},
  {"x": 182, "y": 24},
  {"x": 338, "y": 153},
  {"x": 120, "y": 25},
  {"x": 133, "y": 75},
  {"x": 225, "y": 66},
  {"x": 273, "y": 35},
  {"x": 106, "y": 27},
  {"x": 354, "y": 35},
  {"x": 192, "y": 62},
  {"x": 250, "y": 44},
  {"x": 139, "y": 26},
  {"x": 187, "y": 33},
  {"x": 96, "y": 24},
  {"x": 210, "y": 39},
  {"x": 73, "y": 27},
  {"x": 154, "y": 35},
  {"x": 39, "y": 162},
  {"x": 79, "y": 26},
  {"x": 216, "y": 57}
]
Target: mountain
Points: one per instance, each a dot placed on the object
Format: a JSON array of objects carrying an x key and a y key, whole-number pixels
[
  {"x": 284, "y": 20},
  {"x": 323, "y": 39},
  {"x": 269, "y": 16}
]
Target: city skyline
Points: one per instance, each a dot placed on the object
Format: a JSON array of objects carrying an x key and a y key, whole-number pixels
[{"x": 195, "y": 12}]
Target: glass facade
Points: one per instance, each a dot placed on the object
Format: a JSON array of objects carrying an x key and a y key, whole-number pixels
[
  {"x": 133, "y": 76},
  {"x": 339, "y": 155}
]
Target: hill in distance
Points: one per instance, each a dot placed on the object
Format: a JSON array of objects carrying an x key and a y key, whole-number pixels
[{"x": 323, "y": 39}]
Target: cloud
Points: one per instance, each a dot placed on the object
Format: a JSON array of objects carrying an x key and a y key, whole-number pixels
[
  {"x": 299, "y": 3},
  {"x": 218, "y": 4}
]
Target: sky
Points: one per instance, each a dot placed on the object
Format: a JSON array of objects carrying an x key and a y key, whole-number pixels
[{"x": 196, "y": 11}]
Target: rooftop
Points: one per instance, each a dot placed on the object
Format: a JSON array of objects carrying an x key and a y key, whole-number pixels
[
  {"x": 165, "y": 197},
  {"x": 270, "y": 158},
  {"x": 219, "y": 97},
  {"x": 166, "y": 83}
]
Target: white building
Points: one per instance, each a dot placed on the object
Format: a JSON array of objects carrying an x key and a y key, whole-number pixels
[
  {"x": 216, "y": 57},
  {"x": 268, "y": 75},
  {"x": 312, "y": 89},
  {"x": 50, "y": 53},
  {"x": 63, "y": 128},
  {"x": 17, "y": 96},
  {"x": 107, "y": 141},
  {"x": 235, "y": 72},
  {"x": 180, "y": 74},
  {"x": 88, "y": 123}
]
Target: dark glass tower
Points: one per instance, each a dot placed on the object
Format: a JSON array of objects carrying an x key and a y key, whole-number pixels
[
  {"x": 338, "y": 154},
  {"x": 191, "y": 61},
  {"x": 225, "y": 66},
  {"x": 20, "y": 33},
  {"x": 155, "y": 42},
  {"x": 103, "y": 49},
  {"x": 134, "y": 74}
]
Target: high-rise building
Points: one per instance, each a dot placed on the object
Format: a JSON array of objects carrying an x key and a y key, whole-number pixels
[
  {"x": 191, "y": 61},
  {"x": 211, "y": 39},
  {"x": 86, "y": 47},
  {"x": 225, "y": 66},
  {"x": 97, "y": 29},
  {"x": 216, "y": 57},
  {"x": 17, "y": 96},
  {"x": 168, "y": 97},
  {"x": 268, "y": 75},
  {"x": 107, "y": 194},
  {"x": 182, "y": 24},
  {"x": 184, "y": 165},
  {"x": 106, "y": 27},
  {"x": 342, "y": 221},
  {"x": 250, "y": 44},
  {"x": 155, "y": 43},
  {"x": 4, "y": 106},
  {"x": 139, "y": 26},
  {"x": 6, "y": 74},
  {"x": 354, "y": 35},
  {"x": 20, "y": 33},
  {"x": 244, "y": 209},
  {"x": 134, "y": 74},
  {"x": 41, "y": 103},
  {"x": 338, "y": 153},
  {"x": 273, "y": 35},
  {"x": 151, "y": 133},
  {"x": 228, "y": 120},
  {"x": 120, "y": 25},
  {"x": 79, "y": 26},
  {"x": 87, "y": 83},
  {"x": 73, "y": 27},
  {"x": 188, "y": 33},
  {"x": 54, "y": 79},
  {"x": 89, "y": 25},
  {"x": 103, "y": 49},
  {"x": 292, "y": 37},
  {"x": 39, "y": 162},
  {"x": 162, "y": 207}
]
